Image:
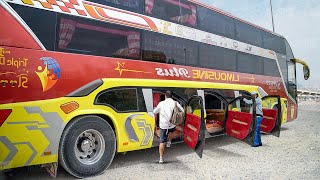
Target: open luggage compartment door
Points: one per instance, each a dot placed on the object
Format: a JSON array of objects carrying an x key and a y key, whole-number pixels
[
  {"x": 194, "y": 127},
  {"x": 271, "y": 122},
  {"x": 241, "y": 119}
]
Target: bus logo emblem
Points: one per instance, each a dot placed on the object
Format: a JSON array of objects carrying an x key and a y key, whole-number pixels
[{"x": 49, "y": 73}]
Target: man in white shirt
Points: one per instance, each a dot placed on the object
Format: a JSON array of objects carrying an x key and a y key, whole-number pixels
[{"x": 165, "y": 110}]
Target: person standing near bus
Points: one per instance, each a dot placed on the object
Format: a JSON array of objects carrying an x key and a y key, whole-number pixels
[
  {"x": 165, "y": 110},
  {"x": 257, "y": 137}
]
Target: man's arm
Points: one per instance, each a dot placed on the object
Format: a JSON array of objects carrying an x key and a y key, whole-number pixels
[
  {"x": 157, "y": 109},
  {"x": 180, "y": 107},
  {"x": 258, "y": 100},
  {"x": 247, "y": 101}
]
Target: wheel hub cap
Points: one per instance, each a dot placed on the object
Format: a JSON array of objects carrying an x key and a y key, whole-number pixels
[{"x": 89, "y": 146}]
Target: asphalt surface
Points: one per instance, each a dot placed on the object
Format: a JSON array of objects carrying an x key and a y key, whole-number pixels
[{"x": 295, "y": 155}]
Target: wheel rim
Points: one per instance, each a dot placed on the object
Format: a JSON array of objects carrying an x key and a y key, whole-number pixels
[{"x": 89, "y": 147}]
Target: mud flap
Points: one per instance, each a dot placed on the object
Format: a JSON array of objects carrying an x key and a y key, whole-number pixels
[{"x": 52, "y": 169}]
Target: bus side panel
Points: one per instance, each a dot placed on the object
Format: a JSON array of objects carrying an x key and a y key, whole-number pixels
[
  {"x": 284, "y": 110},
  {"x": 13, "y": 34},
  {"x": 30, "y": 135}
]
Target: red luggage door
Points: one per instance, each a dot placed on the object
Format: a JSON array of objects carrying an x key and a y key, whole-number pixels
[
  {"x": 194, "y": 127},
  {"x": 271, "y": 122},
  {"x": 240, "y": 119}
]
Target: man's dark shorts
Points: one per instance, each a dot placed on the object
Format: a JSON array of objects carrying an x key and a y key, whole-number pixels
[{"x": 164, "y": 134}]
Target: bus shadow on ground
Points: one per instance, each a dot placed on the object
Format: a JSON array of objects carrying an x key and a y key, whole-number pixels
[
  {"x": 283, "y": 129},
  {"x": 214, "y": 146},
  {"x": 147, "y": 158},
  {"x": 150, "y": 157}
]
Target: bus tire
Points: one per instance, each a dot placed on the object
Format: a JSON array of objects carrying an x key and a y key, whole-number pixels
[{"x": 87, "y": 146}]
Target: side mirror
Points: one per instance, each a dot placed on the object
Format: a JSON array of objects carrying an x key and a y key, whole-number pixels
[{"x": 306, "y": 72}]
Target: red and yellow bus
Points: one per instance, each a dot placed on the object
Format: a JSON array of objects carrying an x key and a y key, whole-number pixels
[{"x": 79, "y": 78}]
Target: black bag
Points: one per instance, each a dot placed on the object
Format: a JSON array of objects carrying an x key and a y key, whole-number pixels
[{"x": 177, "y": 115}]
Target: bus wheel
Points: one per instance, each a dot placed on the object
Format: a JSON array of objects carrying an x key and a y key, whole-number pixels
[{"x": 87, "y": 146}]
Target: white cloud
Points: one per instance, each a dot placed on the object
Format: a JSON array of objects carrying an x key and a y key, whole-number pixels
[{"x": 300, "y": 24}]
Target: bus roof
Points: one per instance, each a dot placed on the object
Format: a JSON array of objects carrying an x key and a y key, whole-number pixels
[{"x": 198, "y": 2}]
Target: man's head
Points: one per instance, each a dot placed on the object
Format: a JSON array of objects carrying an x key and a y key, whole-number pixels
[
  {"x": 168, "y": 94},
  {"x": 254, "y": 94}
]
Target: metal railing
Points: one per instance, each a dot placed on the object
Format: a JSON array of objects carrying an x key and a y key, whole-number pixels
[{"x": 306, "y": 95}]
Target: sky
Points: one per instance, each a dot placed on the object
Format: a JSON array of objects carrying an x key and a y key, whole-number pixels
[{"x": 297, "y": 20}]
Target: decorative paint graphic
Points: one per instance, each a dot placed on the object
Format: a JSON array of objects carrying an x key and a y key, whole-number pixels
[
  {"x": 251, "y": 78},
  {"x": 165, "y": 28},
  {"x": 49, "y": 73},
  {"x": 177, "y": 72},
  {"x": 198, "y": 74},
  {"x": 209, "y": 40},
  {"x": 224, "y": 42},
  {"x": 64, "y": 5},
  {"x": 147, "y": 131},
  {"x": 106, "y": 13},
  {"x": 3, "y": 52},
  {"x": 9, "y": 64},
  {"x": 143, "y": 126},
  {"x": 249, "y": 48},
  {"x": 273, "y": 86},
  {"x": 217, "y": 76},
  {"x": 235, "y": 45},
  {"x": 50, "y": 126},
  {"x": 121, "y": 68}
]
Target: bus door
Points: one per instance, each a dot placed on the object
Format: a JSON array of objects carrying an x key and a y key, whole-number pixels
[
  {"x": 215, "y": 109},
  {"x": 241, "y": 119},
  {"x": 194, "y": 127},
  {"x": 271, "y": 122}
]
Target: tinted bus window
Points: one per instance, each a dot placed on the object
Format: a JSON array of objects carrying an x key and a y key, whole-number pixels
[
  {"x": 248, "y": 34},
  {"x": 132, "y": 5},
  {"x": 217, "y": 57},
  {"x": 41, "y": 22},
  {"x": 274, "y": 43},
  {"x": 77, "y": 35},
  {"x": 168, "y": 49},
  {"x": 270, "y": 67},
  {"x": 283, "y": 67},
  {"x": 292, "y": 81},
  {"x": 120, "y": 99},
  {"x": 180, "y": 11},
  {"x": 247, "y": 63},
  {"x": 216, "y": 23}
]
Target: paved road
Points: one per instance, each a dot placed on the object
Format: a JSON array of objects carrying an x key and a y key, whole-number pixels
[{"x": 295, "y": 155}]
